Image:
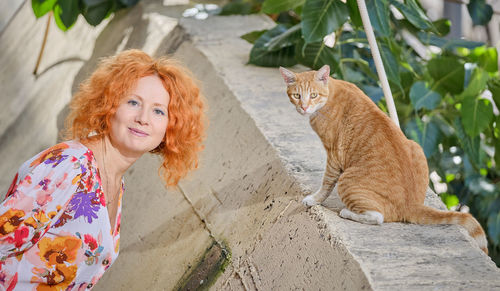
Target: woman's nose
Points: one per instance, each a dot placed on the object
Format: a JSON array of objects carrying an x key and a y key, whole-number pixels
[{"x": 142, "y": 117}]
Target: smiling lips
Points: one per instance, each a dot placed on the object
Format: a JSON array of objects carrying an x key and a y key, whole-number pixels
[{"x": 137, "y": 132}]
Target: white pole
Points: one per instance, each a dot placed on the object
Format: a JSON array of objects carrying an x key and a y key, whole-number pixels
[{"x": 378, "y": 61}]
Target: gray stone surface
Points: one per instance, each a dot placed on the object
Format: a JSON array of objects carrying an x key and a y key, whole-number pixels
[{"x": 260, "y": 159}]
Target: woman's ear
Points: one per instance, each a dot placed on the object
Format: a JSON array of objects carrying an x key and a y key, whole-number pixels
[
  {"x": 288, "y": 76},
  {"x": 323, "y": 74}
]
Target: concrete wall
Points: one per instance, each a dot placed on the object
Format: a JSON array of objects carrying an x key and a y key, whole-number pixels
[{"x": 261, "y": 158}]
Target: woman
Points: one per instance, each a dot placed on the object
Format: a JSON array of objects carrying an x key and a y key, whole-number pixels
[{"x": 60, "y": 220}]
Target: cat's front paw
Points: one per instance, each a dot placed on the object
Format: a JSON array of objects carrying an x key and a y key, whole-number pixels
[{"x": 309, "y": 201}]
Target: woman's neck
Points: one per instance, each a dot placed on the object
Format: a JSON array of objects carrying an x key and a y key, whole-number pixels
[{"x": 112, "y": 162}]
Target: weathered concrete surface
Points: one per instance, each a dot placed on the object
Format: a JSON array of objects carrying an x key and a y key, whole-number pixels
[
  {"x": 392, "y": 256},
  {"x": 261, "y": 158}
]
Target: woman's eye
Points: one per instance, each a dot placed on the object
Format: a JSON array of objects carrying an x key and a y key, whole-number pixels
[
  {"x": 314, "y": 95},
  {"x": 133, "y": 102},
  {"x": 296, "y": 95},
  {"x": 159, "y": 112}
]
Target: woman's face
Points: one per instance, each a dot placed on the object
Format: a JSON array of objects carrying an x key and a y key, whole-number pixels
[{"x": 140, "y": 121}]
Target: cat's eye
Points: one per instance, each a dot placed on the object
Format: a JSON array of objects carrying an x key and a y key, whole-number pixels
[
  {"x": 296, "y": 95},
  {"x": 314, "y": 95}
]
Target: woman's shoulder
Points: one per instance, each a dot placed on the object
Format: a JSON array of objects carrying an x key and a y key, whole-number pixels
[{"x": 64, "y": 152}]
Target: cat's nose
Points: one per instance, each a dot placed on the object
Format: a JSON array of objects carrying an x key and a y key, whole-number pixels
[{"x": 304, "y": 107}]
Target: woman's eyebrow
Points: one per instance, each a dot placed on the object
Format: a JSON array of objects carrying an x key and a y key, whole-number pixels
[
  {"x": 154, "y": 104},
  {"x": 160, "y": 104}
]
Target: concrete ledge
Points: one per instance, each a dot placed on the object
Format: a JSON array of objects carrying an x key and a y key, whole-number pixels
[
  {"x": 261, "y": 158},
  {"x": 391, "y": 256}
]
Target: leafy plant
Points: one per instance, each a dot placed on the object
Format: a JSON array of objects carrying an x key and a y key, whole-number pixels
[
  {"x": 446, "y": 95},
  {"x": 66, "y": 11}
]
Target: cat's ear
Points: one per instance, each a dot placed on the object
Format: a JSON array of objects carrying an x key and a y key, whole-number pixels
[
  {"x": 288, "y": 76},
  {"x": 323, "y": 74}
]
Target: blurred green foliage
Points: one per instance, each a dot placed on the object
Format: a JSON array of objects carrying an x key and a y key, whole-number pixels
[{"x": 66, "y": 11}]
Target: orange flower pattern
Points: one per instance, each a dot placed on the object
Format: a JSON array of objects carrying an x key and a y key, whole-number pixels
[{"x": 55, "y": 232}]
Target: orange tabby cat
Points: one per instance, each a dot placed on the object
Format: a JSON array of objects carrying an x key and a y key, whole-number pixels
[{"x": 380, "y": 174}]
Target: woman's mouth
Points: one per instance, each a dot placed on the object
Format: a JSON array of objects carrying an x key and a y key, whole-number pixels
[{"x": 137, "y": 132}]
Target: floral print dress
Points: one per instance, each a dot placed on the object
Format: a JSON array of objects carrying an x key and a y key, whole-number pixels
[{"x": 55, "y": 231}]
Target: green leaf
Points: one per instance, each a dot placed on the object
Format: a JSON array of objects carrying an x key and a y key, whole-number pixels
[
  {"x": 277, "y": 6},
  {"x": 494, "y": 87},
  {"x": 494, "y": 227},
  {"x": 41, "y": 7},
  {"x": 448, "y": 74},
  {"x": 261, "y": 56},
  {"x": 477, "y": 113},
  {"x": 378, "y": 10},
  {"x": 354, "y": 13},
  {"x": 288, "y": 38},
  {"x": 480, "y": 12},
  {"x": 315, "y": 55},
  {"x": 391, "y": 65},
  {"x": 65, "y": 13},
  {"x": 251, "y": 37},
  {"x": 486, "y": 57},
  {"x": 476, "y": 86},
  {"x": 238, "y": 7},
  {"x": 449, "y": 200},
  {"x": 375, "y": 93},
  {"x": 322, "y": 17},
  {"x": 413, "y": 13},
  {"x": 446, "y": 44},
  {"x": 95, "y": 11},
  {"x": 471, "y": 146},
  {"x": 442, "y": 26},
  {"x": 422, "y": 96},
  {"x": 129, "y": 3},
  {"x": 497, "y": 148},
  {"x": 426, "y": 134}
]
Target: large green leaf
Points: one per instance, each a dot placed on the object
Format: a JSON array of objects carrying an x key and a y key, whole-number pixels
[
  {"x": 65, "y": 13},
  {"x": 354, "y": 13},
  {"x": 378, "y": 10},
  {"x": 322, "y": 17},
  {"x": 426, "y": 134},
  {"x": 480, "y": 12},
  {"x": 422, "y": 96},
  {"x": 471, "y": 146},
  {"x": 95, "y": 11},
  {"x": 41, "y": 7},
  {"x": 448, "y": 74},
  {"x": 315, "y": 55},
  {"x": 414, "y": 14},
  {"x": 477, "y": 113},
  {"x": 277, "y": 6},
  {"x": 261, "y": 56},
  {"x": 287, "y": 38}
]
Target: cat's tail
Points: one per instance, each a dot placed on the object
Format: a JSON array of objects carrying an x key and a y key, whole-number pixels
[{"x": 422, "y": 214}]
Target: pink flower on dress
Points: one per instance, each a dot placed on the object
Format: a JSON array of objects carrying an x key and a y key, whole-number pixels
[
  {"x": 19, "y": 237},
  {"x": 91, "y": 241}
]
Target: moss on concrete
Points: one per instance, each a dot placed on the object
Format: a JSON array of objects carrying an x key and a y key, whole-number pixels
[{"x": 213, "y": 263}]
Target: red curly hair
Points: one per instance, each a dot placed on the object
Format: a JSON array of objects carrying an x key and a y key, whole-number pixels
[{"x": 99, "y": 96}]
